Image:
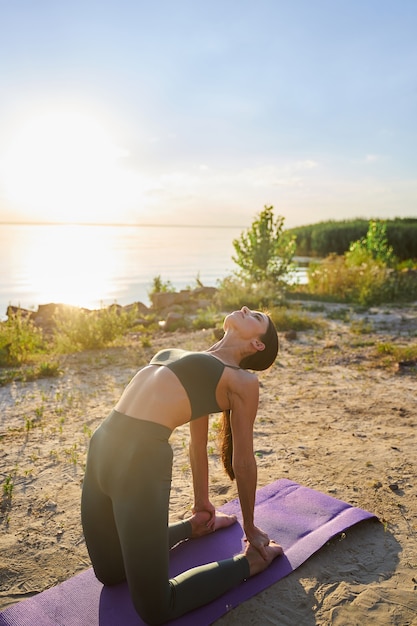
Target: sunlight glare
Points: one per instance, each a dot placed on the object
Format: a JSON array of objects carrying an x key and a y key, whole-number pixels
[
  {"x": 64, "y": 166},
  {"x": 69, "y": 265}
]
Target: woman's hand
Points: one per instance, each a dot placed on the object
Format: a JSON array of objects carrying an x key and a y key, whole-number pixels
[
  {"x": 206, "y": 507},
  {"x": 205, "y": 520},
  {"x": 259, "y": 540}
]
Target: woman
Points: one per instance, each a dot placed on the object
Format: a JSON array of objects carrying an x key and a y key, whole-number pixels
[{"x": 127, "y": 482}]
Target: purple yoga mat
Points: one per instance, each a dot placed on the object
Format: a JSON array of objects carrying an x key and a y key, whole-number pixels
[{"x": 300, "y": 519}]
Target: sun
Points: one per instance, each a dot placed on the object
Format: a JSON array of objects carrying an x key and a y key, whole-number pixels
[{"x": 65, "y": 166}]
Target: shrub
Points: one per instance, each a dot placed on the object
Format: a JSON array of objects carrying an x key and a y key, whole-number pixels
[
  {"x": 287, "y": 319},
  {"x": 234, "y": 292},
  {"x": 365, "y": 274},
  {"x": 160, "y": 286},
  {"x": 19, "y": 339},
  {"x": 206, "y": 318},
  {"x": 397, "y": 352},
  {"x": 77, "y": 329},
  {"x": 265, "y": 252},
  {"x": 374, "y": 246},
  {"x": 365, "y": 284}
]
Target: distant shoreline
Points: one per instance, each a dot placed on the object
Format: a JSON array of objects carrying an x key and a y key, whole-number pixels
[{"x": 122, "y": 225}]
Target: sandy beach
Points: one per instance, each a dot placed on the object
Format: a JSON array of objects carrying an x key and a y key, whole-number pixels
[{"x": 335, "y": 414}]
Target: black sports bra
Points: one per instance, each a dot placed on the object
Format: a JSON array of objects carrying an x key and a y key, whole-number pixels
[{"x": 199, "y": 373}]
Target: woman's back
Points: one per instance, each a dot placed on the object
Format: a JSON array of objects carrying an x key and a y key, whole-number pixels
[{"x": 179, "y": 386}]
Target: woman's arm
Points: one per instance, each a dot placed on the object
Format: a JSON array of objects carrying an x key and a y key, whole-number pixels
[
  {"x": 244, "y": 405},
  {"x": 199, "y": 465}
]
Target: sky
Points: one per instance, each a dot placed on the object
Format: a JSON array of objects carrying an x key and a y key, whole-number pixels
[{"x": 191, "y": 112}]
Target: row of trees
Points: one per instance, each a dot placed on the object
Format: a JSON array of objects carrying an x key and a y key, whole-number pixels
[{"x": 333, "y": 237}]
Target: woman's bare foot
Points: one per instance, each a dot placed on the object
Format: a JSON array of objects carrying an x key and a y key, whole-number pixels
[
  {"x": 199, "y": 523},
  {"x": 257, "y": 563}
]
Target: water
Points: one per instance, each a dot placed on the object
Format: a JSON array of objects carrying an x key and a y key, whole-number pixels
[
  {"x": 97, "y": 265},
  {"x": 94, "y": 266}
]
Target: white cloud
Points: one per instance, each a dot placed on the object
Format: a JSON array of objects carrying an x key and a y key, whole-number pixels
[
  {"x": 371, "y": 158},
  {"x": 287, "y": 174},
  {"x": 305, "y": 165}
]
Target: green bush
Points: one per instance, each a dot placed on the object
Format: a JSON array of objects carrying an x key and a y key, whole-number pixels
[
  {"x": 288, "y": 319},
  {"x": 234, "y": 292},
  {"x": 367, "y": 284},
  {"x": 398, "y": 353},
  {"x": 374, "y": 246},
  {"x": 76, "y": 329},
  {"x": 264, "y": 252},
  {"x": 206, "y": 318},
  {"x": 19, "y": 339},
  {"x": 160, "y": 286},
  {"x": 366, "y": 274}
]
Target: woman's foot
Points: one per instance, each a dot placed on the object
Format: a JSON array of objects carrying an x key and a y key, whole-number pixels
[
  {"x": 201, "y": 524},
  {"x": 257, "y": 563}
]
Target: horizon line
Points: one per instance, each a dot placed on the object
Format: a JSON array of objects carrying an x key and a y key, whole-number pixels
[{"x": 121, "y": 224}]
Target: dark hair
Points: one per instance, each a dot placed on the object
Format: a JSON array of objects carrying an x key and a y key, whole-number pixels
[
  {"x": 260, "y": 360},
  {"x": 226, "y": 444}
]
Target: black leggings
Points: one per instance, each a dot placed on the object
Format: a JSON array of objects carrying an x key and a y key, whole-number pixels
[{"x": 124, "y": 510}]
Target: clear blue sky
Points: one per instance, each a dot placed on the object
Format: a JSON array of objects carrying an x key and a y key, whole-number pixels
[{"x": 183, "y": 111}]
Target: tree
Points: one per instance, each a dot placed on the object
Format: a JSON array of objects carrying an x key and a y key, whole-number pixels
[
  {"x": 264, "y": 252},
  {"x": 373, "y": 246}
]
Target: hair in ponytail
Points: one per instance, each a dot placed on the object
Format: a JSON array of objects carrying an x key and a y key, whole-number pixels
[{"x": 226, "y": 444}]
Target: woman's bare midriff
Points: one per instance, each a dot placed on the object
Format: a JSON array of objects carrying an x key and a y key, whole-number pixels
[{"x": 142, "y": 398}]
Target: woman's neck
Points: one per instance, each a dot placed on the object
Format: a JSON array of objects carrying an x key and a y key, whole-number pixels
[{"x": 229, "y": 349}]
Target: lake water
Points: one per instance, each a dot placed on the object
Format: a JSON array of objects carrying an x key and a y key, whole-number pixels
[{"x": 93, "y": 266}]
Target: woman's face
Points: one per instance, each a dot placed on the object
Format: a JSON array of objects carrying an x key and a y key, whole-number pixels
[{"x": 249, "y": 323}]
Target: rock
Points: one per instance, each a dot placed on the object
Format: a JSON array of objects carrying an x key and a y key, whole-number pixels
[
  {"x": 409, "y": 366},
  {"x": 205, "y": 292},
  {"x": 13, "y": 311},
  {"x": 168, "y": 299},
  {"x": 190, "y": 299},
  {"x": 141, "y": 308},
  {"x": 290, "y": 335},
  {"x": 45, "y": 314}
]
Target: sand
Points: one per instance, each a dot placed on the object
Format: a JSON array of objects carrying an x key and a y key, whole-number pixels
[{"x": 335, "y": 415}]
